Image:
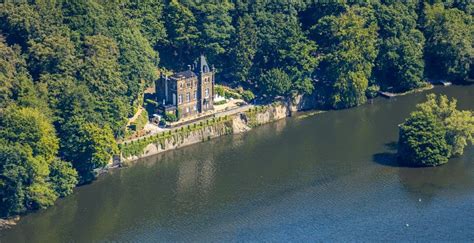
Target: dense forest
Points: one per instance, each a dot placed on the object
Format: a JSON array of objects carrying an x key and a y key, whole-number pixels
[{"x": 72, "y": 72}]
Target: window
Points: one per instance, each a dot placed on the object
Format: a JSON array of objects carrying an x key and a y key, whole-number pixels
[
  {"x": 180, "y": 99},
  {"x": 180, "y": 85},
  {"x": 188, "y": 97},
  {"x": 195, "y": 108},
  {"x": 188, "y": 84},
  {"x": 195, "y": 95},
  {"x": 207, "y": 93},
  {"x": 187, "y": 109}
]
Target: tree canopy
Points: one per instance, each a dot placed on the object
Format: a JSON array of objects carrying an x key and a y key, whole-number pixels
[
  {"x": 72, "y": 72},
  {"x": 435, "y": 132}
]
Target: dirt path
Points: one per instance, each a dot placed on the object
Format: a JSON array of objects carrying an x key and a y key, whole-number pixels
[{"x": 134, "y": 117}]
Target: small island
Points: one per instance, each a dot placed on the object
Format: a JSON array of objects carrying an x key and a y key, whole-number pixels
[{"x": 435, "y": 132}]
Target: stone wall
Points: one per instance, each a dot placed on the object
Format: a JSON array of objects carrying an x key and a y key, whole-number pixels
[
  {"x": 178, "y": 138},
  {"x": 204, "y": 130}
]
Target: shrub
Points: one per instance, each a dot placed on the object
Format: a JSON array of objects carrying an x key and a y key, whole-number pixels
[
  {"x": 170, "y": 117},
  {"x": 248, "y": 96},
  {"x": 372, "y": 91},
  {"x": 221, "y": 102}
]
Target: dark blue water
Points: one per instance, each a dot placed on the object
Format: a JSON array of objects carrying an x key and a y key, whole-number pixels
[{"x": 329, "y": 177}]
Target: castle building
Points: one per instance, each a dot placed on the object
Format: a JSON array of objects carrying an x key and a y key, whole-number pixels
[{"x": 188, "y": 92}]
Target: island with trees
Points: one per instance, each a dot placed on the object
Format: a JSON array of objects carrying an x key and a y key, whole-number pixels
[
  {"x": 73, "y": 72},
  {"x": 435, "y": 132}
]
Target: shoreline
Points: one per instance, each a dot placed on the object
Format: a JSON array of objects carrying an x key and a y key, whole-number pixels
[
  {"x": 240, "y": 124},
  {"x": 9, "y": 222},
  {"x": 389, "y": 95},
  {"x": 291, "y": 110}
]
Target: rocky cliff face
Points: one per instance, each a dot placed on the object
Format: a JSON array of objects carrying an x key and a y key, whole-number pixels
[{"x": 302, "y": 103}]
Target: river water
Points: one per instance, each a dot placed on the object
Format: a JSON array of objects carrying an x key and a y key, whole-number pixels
[{"x": 329, "y": 177}]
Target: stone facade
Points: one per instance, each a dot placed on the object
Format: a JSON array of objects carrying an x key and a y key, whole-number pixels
[{"x": 188, "y": 92}]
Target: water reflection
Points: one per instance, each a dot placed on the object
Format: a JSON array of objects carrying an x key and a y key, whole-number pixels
[
  {"x": 330, "y": 176},
  {"x": 455, "y": 177},
  {"x": 425, "y": 183}
]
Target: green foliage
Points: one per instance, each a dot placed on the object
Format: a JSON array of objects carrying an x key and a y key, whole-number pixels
[
  {"x": 449, "y": 36},
  {"x": 275, "y": 82},
  {"x": 141, "y": 121},
  {"x": 28, "y": 167},
  {"x": 83, "y": 66},
  {"x": 435, "y": 132},
  {"x": 244, "y": 48},
  {"x": 372, "y": 91},
  {"x": 170, "y": 117},
  {"x": 221, "y": 102},
  {"x": 422, "y": 141},
  {"x": 149, "y": 16},
  {"x": 248, "y": 95},
  {"x": 215, "y": 25},
  {"x": 89, "y": 147},
  {"x": 348, "y": 42},
  {"x": 14, "y": 175},
  {"x": 63, "y": 177},
  {"x": 399, "y": 65},
  {"x": 29, "y": 127}
]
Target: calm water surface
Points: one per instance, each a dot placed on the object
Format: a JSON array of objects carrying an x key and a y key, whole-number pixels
[{"x": 330, "y": 177}]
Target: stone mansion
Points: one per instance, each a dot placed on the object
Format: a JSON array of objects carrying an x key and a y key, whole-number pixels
[{"x": 188, "y": 92}]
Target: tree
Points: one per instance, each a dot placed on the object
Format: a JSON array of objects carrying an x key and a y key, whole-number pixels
[
  {"x": 84, "y": 18},
  {"x": 13, "y": 179},
  {"x": 63, "y": 177},
  {"x": 422, "y": 141},
  {"x": 29, "y": 127},
  {"x": 435, "y": 132},
  {"x": 52, "y": 54},
  {"x": 348, "y": 45},
  {"x": 399, "y": 65},
  {"x": 101, "y": 73},
  {"x": 215, "y": 27},
  {"x": 149, "y": 16},
  {"x": 89, "y": 147},
  {"x": 12, "y": 72},
  {"x": 183, "y": 34},
  {"x": 244, "y": 48},
  {"x": 299, "y": 58},
  {"x": 28, "y": 147},
  {"x": 275, "y": 82},
  {"x": 137, "y": 61},
  {"x": 449, "y": 36}
]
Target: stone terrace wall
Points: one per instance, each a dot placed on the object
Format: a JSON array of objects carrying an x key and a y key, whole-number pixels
[{"x": 202, "y": 131}]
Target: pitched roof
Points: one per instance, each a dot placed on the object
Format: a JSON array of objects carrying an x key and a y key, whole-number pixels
[
  {"x": 184, "y": 74},
  {"x": 201, "y": 64}
]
